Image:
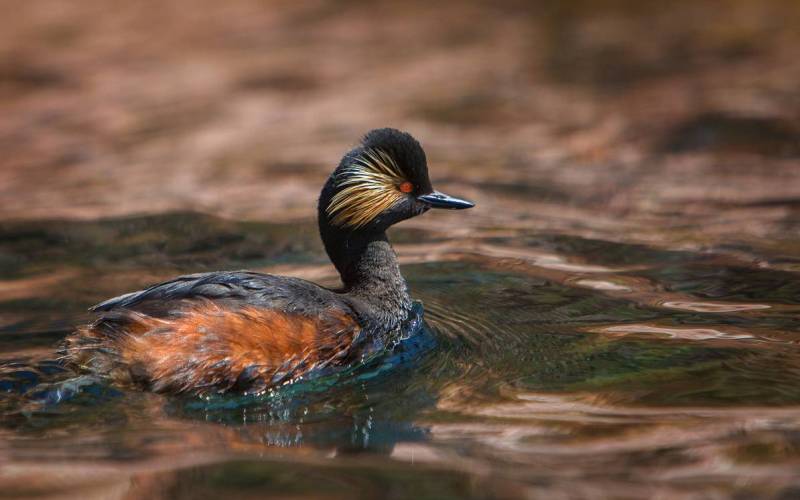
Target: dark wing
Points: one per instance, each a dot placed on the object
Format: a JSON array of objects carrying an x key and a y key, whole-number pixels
[{"x": 291, "y": 295}]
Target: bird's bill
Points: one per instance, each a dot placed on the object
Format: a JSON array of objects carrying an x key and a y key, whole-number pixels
[{"x": 441, "y": 200}]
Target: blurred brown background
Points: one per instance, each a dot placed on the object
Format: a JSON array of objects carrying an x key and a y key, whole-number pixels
[
  {"x": 608, "y": 116},
  {"x": 670, "y": 123}
]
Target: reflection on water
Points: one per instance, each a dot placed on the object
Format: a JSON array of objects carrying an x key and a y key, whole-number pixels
[
  {"x": 618, "y": 316},
  {"x": 530, "y": 372}
]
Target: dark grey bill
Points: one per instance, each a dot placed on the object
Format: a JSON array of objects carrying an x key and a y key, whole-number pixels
[{"x": 441, "y": 200}]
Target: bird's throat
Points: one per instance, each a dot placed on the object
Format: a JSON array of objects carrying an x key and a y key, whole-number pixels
[{"x": 370, "y": 273}]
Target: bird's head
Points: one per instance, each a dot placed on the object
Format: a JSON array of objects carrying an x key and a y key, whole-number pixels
[{"x": 379, "y": 183}]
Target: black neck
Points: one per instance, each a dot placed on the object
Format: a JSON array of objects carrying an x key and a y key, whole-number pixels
[{"x": 370, "y": 273}]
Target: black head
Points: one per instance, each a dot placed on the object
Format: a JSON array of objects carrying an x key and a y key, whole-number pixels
[{"x": 381, "y": 182}]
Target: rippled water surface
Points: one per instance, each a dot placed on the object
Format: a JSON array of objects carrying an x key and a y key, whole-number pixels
[
  {"x": 551, "y": 363},
  {"x": 619, "y": 315}
]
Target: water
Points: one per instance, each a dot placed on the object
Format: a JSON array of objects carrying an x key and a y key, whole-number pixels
[
  {"x": 618, "y": 316},
  {"x": 551, "y": 363}
]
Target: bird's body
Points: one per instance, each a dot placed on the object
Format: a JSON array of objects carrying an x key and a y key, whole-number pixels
[{"x": 245, "y": 331}]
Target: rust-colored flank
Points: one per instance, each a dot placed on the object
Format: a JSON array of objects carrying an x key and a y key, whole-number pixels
[{"x": 210, "y": 346}]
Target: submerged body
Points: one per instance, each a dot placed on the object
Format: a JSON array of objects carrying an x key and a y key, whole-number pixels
[{"x": 245, "y": 331}]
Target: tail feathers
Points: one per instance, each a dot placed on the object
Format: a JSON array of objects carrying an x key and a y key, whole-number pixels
[{"x": 95, "y": 347}]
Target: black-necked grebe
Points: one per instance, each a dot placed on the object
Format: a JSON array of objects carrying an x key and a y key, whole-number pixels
[{"x": 245, "y": 331}]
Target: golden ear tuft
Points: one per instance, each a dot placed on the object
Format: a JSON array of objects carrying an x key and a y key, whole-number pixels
[{"x": 368, "y": 187}]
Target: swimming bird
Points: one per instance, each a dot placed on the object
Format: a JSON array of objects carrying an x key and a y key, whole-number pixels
[{"x": 243, "y": 331}]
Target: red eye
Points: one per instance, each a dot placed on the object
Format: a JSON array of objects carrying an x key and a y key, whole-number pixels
[{"x": 406, "y": 187}]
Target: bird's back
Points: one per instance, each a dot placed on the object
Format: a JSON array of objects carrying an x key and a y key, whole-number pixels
[{"x": 216, "y": 332}]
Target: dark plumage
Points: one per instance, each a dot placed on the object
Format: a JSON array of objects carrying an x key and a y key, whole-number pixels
[{"x": 245, "y": 331}]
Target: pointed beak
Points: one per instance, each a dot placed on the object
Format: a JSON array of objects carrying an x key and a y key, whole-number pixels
[{"x": 441, "y": 200}]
